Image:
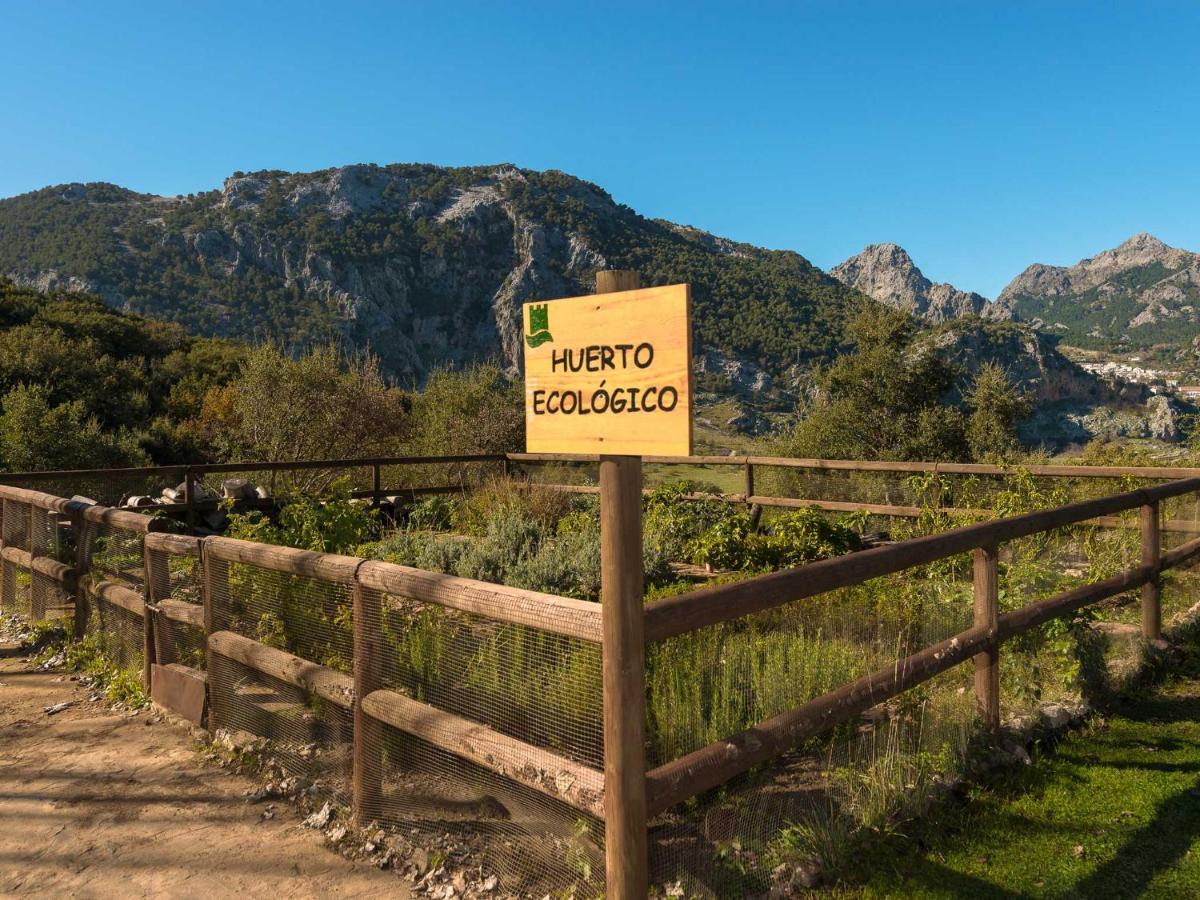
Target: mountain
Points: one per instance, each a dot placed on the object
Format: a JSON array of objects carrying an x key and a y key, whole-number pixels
[
  {"x": 425, "y": 265},
  {"x": 1137, "y": 296},
  {"x": 887, "y": 273}
]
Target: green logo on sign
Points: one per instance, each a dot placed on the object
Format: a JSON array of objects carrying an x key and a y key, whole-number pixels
[{"x": 539, "y": 326}]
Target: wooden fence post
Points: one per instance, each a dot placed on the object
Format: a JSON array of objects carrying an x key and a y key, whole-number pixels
[
  {"x": 367, "y": 788},
  {"x": 1152, "y": 589},
  {"x": 987, "y": 663},
  {"x": 624, "y": 653},
  {"x": 84, "y": 531},
  {"x": 617, "y": 280},
  {"x": 189, "y": 498},
  {"x": 157, "y": 588},
  {"x": 215, "y": 584},
  {"x": 8, "y": 575},
  {"x": 748, "y": 482},
  {"x": 39, "y": 545}
]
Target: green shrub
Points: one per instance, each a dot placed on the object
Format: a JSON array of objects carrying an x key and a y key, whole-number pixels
[
  {"x": 502, "y": 498},
  {"x": 804, "y": 536},
  {"x": 433, "y": 513},
  {"x": 332, "y": 524}
]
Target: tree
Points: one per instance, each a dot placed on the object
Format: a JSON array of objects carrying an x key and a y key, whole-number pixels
[
  {"x": 35, "y": 435},
  {"x": 997, "y": 407},
  {"x": 475, "y": 410},
  {"x": 320, "y": 405},
  {"x": 886, "y": 399}
]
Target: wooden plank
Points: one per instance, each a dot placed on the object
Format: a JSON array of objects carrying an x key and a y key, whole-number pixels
[
  {"x": 708, "y": 606},
  {"x": 987, "y": 662},
  {"x": 367, "y": 773},
  {"x": 84, "y": 535},
  {"x": 610, "y": 373},
  {"x": 17, "y": 557},
  {"x": 52, "y": 568},
  {"x": 174, "y": 544},
  {"x": 214, "y": 585},
  {"x": 181, "y": 690},
  {"x": 336, "y": 687},
  {"x": 623, "y": 672},
  {"x": 120, "y": 518},
  {"x": 609, "y": 281},
  {"x": 1151, "y": 592},
  {"x": 181, "y": 611},
  {"x": 548, "y": 773},
  {"x": 1181, "y": 555},
  {"x": 716, "y": 763},
  {"x": 879, "y": 509},
  {"x": 289, "y": 560},
  {"x": 547, "y": 612},
  {"x": 119, "y": 595},
  {"x": 177, "y": 472}
]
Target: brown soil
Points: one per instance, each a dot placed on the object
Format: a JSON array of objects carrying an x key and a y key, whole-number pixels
[{"x": 96, "y": 803}]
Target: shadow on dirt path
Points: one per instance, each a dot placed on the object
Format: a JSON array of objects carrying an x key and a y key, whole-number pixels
[{"x": 96, "y": 803}]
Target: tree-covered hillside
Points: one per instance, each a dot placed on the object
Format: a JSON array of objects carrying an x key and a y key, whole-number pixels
[
  {"x": 1140, "y": 296},
  {"x": 82, "y": 384},
  {"x": 423, "y": 264}
]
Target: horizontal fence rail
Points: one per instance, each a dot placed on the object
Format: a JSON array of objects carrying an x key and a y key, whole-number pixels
[{"x": 709, "y": 606}]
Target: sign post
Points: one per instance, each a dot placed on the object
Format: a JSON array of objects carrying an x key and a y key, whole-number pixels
[{"x": 611, "y": 374}]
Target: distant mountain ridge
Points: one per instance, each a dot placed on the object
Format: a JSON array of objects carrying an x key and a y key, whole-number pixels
[
  {"x": 1137, "y": 295},
  {"x": 425, "y": 265},
  {"x": 887, "y": 273}
]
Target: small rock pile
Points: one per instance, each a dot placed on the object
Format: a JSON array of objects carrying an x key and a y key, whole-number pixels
[{"x": 238, "y": 490}]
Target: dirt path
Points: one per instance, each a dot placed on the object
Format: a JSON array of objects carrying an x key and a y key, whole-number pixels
[{"x": 95, "y": 803}]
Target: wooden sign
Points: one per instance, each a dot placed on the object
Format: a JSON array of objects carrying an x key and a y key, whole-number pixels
[{"x": 610, "y": 373}]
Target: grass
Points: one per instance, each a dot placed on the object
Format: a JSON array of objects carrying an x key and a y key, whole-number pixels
[
  {"x": 1113, "y": 812},
  {"x": 90, "y": 657}
]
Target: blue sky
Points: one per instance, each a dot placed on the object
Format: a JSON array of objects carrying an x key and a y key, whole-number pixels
[{"x": 980, "y": 136}]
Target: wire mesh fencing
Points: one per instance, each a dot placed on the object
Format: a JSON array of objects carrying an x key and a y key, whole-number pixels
[
  {"x": 537, "y": 695},
  {"x": 15, "y": 581},
  {"x": 174, "y": 591},
  {"x": 282, "y": 621},
  {"x": 708, "y": 685},
  {"x": 471, "y": 716}
]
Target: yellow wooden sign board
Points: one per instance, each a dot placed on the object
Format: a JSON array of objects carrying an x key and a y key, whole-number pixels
[{"x": 610, "y": 373}]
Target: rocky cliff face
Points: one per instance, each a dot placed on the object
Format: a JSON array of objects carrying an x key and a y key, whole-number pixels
[
  {"x": 887, "y": 273},
  {"x": 424, "y": 265},
  {"x": 1138, "y": 294}
]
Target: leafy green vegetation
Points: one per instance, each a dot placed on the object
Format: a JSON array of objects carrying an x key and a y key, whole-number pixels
[
  {"x": 82, "y": 384},
  {"x": 85, "y": 386},
  {"x": 90, "y": 657},
  {"x": 191, "y": 259},
  {"x": 894, "y": 397}
]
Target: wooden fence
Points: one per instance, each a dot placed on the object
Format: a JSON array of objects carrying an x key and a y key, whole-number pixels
[
  {"x": 504, "y": 464},
  {"x": 39, "y": 531}
]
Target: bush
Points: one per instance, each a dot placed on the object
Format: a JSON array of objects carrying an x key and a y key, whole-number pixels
[
  {"x": 792, "y": 539},
  {"x": 433, "y": 513},
  {"x": 671, "y": 523},
  {"x": 507, "y": 498},
  {"x": 37, "y": 435},
  {"x": 321, "y": 405},
  {"x": 333, "y": 524},
  {"x": 477, "y": 410}
]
